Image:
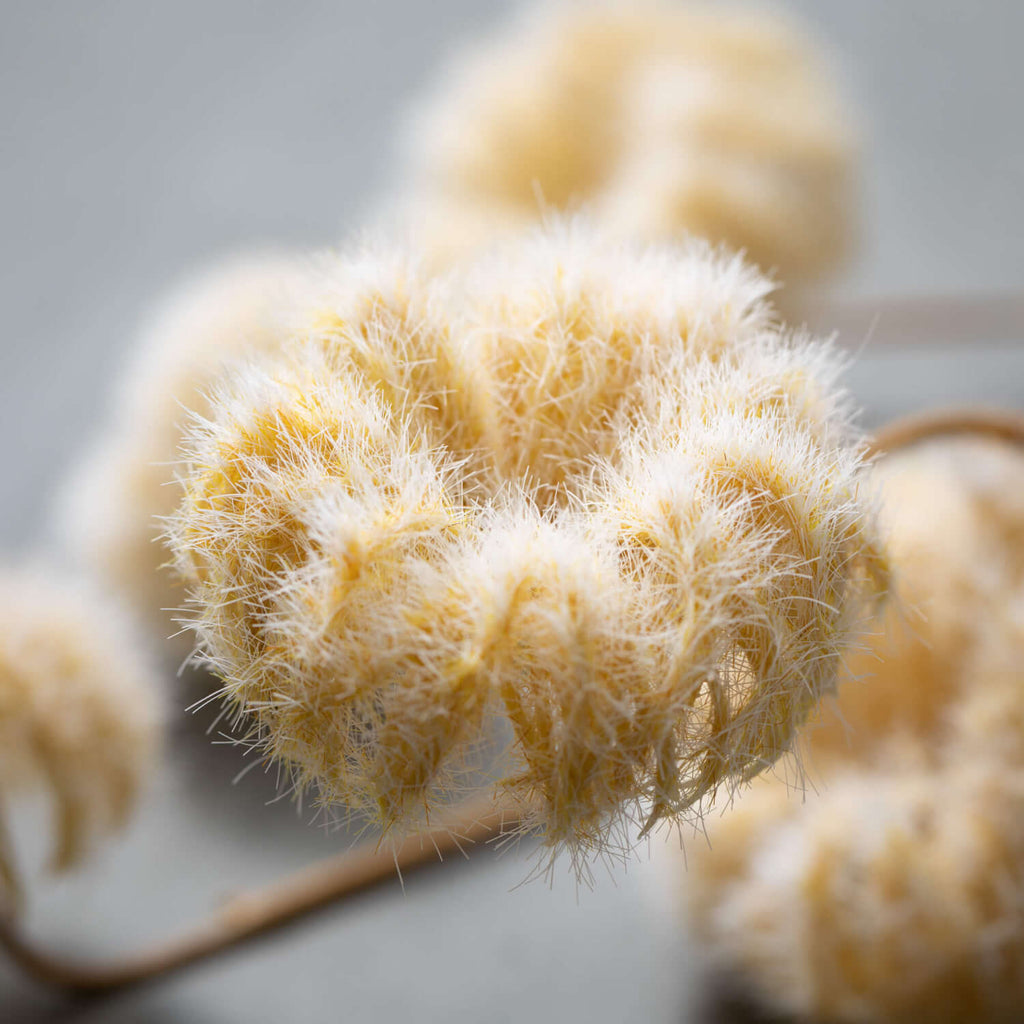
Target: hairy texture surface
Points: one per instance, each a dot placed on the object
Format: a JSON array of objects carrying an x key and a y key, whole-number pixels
[
  {"x": 110, "y": 513},
  {"x": 79, "y": 709},
  {"x": 893, "y": 897},
  {"x": 584, "y": 495},
  {"x": 896, "y": 893},
  {"x": 954, "y": 521},
  {"x": 660, "y": 119}
]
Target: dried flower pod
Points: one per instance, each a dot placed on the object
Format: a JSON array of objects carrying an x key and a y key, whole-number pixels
[
  {"x": 79, "y": 708},
  {"x": 894, "y": 892},
  {"x": 588, "y": 491},
  {"x": 660, "y": 119},
  {"x": 892, "y": 896},
  {"x": 954, "y": 518},
  {"x": 987, "y": 721},
  {"x": 110, "y": 512}
]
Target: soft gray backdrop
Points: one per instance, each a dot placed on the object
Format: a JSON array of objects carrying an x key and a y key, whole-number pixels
[{"x": 139, "y": 139}]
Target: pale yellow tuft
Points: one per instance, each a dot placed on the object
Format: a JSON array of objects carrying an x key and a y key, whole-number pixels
[
  {"x": 79, "y": 709},
  {"x": 660, "y": 119},
  {"x": 892, "y": 897},
  {"x": 895, "y": 893},
  {"x": 954, "y": 522}
]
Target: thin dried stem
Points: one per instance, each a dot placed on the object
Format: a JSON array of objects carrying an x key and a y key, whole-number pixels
[
  {"x": 260, "y": 913},
  {"x": 1000, "y": 425},
  {"x": 917, "y": 321}
]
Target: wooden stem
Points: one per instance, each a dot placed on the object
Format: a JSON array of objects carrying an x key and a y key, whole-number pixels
[{"x": 256, "y": 914}]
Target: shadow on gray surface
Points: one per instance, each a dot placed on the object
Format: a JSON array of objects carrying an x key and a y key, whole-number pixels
[
  {"x": 38, "y": 1007},
  {"x": 726, "y": 1000},
  {"x": 231, "y": 783},
  {"x": 248, "y": 795},
  {"x": 183, "y": 997}
]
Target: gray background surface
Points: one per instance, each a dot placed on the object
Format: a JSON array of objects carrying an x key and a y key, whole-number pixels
[{"x": 139, "y": 139}]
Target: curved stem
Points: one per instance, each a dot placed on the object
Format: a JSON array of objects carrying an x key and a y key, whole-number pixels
[
  {"x": 999, "y": 425},
  {"x": 259, "y": 913}
]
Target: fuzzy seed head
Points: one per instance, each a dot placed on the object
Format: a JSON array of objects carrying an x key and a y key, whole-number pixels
[
  {"x": 585, "y": 496},
  {"x": 660, "y": 119},
  {"x": 890, "y": 897},
  {"x": 953, "y": 514},
  {"x": 894, "y": 892},
  {"x": 79, "y": 709}
]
